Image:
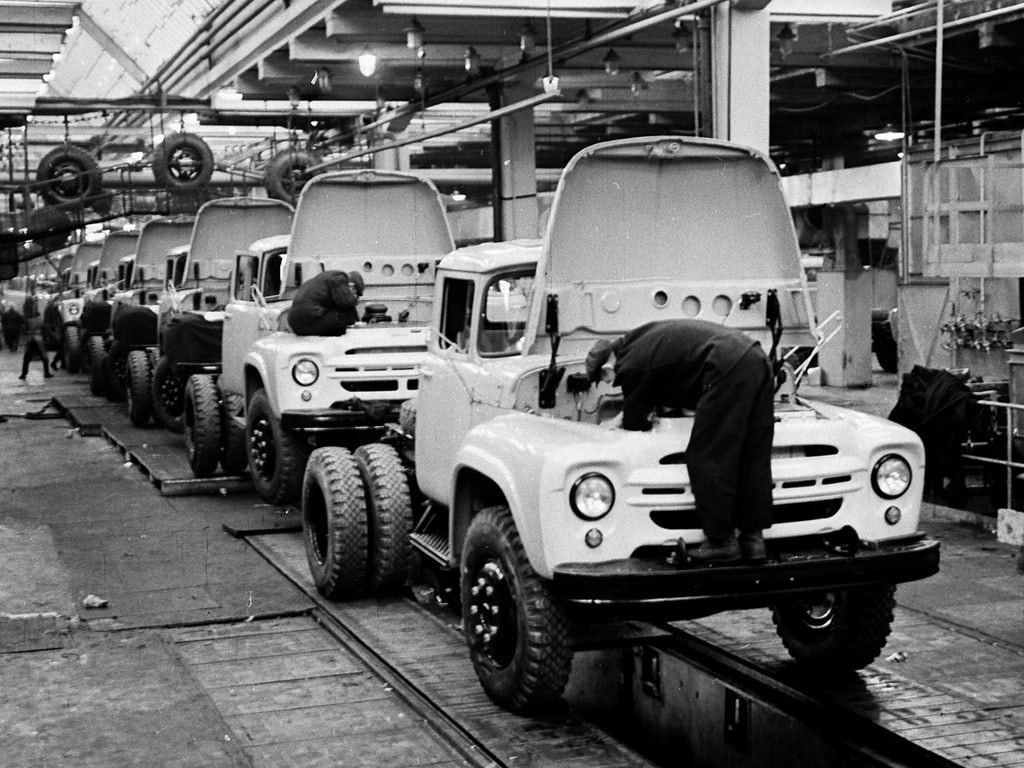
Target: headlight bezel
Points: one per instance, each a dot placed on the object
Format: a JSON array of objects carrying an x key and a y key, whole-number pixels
[
  {"x": 586, "y": 479},
  {"x": 876, "y": 472},
  {"x": 311, "y": 377}
]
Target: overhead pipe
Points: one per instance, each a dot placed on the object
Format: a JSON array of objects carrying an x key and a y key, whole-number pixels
[
  {"x": 952, "y": 25},
  {"x": 493, "y": 115}
]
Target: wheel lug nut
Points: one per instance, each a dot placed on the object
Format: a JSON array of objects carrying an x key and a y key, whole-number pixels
[
  {"x": 489, "y": 591},
  {"x": 473, "y": 610},
  {"x": 474, "y": 590}
]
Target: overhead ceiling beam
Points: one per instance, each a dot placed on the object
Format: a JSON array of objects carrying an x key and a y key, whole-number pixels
[
  {"x": 111, "y": 46},
  {"x": 30, "y": 42},
  {"x": 25, "y": 67},
  {"x": 21, "y": 13}
]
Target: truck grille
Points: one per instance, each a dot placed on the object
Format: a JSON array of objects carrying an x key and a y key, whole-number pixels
[{"x": 682, "y": 519}]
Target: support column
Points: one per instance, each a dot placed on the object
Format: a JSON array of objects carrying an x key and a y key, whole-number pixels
[
  {"x": 741, "y": 41},
  {"x": 394, "y": 159},
  {"x": 516, "y": 171},
  {"x": 846, "y": 360}
]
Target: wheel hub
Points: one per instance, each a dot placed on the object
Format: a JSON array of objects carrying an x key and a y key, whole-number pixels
[
  {"x": 492, "y": 614},
  {"x": 819, "y": 611},
  {"x": 262, "y": 449}
]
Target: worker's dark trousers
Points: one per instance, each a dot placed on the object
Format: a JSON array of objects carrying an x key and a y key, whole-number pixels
[
  {"x": 35, "y": 347},
  {"x": 730, "y": 451}
]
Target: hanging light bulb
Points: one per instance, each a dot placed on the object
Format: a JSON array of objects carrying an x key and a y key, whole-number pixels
[
  {"x": 458, "y": 197},
  {"x": 527, "y": 39},
  {"x": 786, "y": 37},
  {"x": 414, "y": 35},
  {"x": 472, "y": 61},
  {"x": 637, "y": 84},
  {"x": 611, "y": 62},
  {"x": 294, "y": 97},
  {"x": 418, "y": 81},
  {"x": 381, "y": 101},
  {"x": 682, "y": 37},
  {"x": 367, "y": 63}
]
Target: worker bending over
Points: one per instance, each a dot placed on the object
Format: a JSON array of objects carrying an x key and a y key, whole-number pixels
[{"x": 725, "y": 376}]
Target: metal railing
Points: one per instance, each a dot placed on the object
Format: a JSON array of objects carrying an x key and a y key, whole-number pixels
[{"x": 1012, "y": 467}]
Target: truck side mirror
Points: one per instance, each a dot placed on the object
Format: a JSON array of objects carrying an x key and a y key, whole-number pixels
[{"x": 551, "y": 315}]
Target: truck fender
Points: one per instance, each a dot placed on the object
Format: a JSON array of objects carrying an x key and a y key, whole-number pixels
[
  {"x": 255, "y": 368},
  {"x": 503, "y": 461}
]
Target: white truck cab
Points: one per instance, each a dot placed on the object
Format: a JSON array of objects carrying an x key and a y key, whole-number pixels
[
  {"x": 295, "y": 392},
  {"x": 544, "y": 513}
]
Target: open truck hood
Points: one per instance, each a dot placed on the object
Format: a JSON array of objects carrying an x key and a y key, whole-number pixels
[
  {"x": 370, "y": 213},
  {"x": 159, "y": 236},
  {"x": 665, "y": 228},
  {"x": 227, "y": 225},
  {"x": 116, "y": 246}
]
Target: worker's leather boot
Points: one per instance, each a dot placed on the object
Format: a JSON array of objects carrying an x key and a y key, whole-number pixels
[
  {"x": 752, "y": 547},
  {"x": 716, "y": 551}
]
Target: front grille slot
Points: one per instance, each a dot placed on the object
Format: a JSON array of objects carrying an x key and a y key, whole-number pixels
[
  {"x": 674, "y": 458},
  {"x": 386, "y": 385},
  {"x": 385, "y": 350},
  {"x": 662, "y": 491},
  {"x": 683, "y": 519},
  {"x": 799, "y": 483},
  {"x": 803, "y": 451}
]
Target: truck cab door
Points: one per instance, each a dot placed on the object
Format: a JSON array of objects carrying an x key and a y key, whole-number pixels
[
  {"x": 444, "y": 411},
  {"x": 241, "y": 323}
]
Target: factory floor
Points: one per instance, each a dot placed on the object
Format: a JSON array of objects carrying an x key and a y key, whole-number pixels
[{"x": 121, "y": 683}]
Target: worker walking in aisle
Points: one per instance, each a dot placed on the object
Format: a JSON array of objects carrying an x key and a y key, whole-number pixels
[
  {"x": 35, "y": 342},
  {"x": 726, "y": 378}
]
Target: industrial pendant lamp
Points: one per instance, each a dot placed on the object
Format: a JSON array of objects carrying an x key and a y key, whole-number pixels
[
  {"x": 367, "y": 63},
  {"x": 611, "y": 62}
]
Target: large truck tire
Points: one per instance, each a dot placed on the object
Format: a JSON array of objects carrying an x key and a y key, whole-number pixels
[
  {"x": 71, "y": 349},
  {"x": 389, "y": 509},
  {"x": 168, "y": 396},
  {"x": 68, "y": 174},
  {"x": 115, "y": 371},
  {"x": 841, "y": 630},
  {"x": 97, "y": 371},
  {"x": 287, "y": 173},
  {"x": 334, "y": 525},
  {"x": 517, "y": 633},
  {"x": 202, "y": 424},
  {"x": 139, "y": 389},
  {"x": 182, "y": 161},
  {"x": 277, "y": 458},
  {"x": 233, "y": 458}
]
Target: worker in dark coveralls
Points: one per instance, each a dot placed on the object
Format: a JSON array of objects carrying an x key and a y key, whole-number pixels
[
  {"x": 725, "y": 376},
  {"x": 326, "y": 304}
]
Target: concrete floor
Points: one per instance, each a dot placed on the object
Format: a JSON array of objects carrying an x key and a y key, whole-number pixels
[{"x": 110, "y": 686}]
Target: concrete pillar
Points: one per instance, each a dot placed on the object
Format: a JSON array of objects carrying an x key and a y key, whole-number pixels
[
  {"x": 395, "y": 159},
  {"x": 847, "y": 288},
  {"x": 740, "y": 57},
  {"x": 517, "y": 169}
]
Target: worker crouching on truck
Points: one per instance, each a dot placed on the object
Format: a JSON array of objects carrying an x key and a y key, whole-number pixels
[{"x": 326, "y": 304}]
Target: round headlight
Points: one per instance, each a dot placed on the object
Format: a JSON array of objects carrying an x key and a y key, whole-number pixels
[
  {"x": 592, "y": 496},
  {"x": 305, "y": 372},
  {"x": 891, "y": 476}
]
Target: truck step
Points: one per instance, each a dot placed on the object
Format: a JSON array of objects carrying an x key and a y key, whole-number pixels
[{"x": 433, "y": 545}]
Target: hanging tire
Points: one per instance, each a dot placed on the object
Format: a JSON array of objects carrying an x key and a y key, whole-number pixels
[
  {"x": 71, "y": 350},
  {"x": 389, "y": 509},
  {"x": 233, "y": 458},
  {"x": 287, "y": 173},
  {"x": 50, "y": 228},
  {"x": 139, "y": 391},
  {"x": 202, "y": 424},
  {"x": 276, "y": 457},
  {"x": 183, "y": 161},
  {"x": 98, "y": 372},
  {"x": 168, "y": 396},
  {"x": 68, "y": 174},
  {"x": 334, "y": 525},
  {"x": 845, "y": 629},
  {"x": 518, "y": 635}
]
